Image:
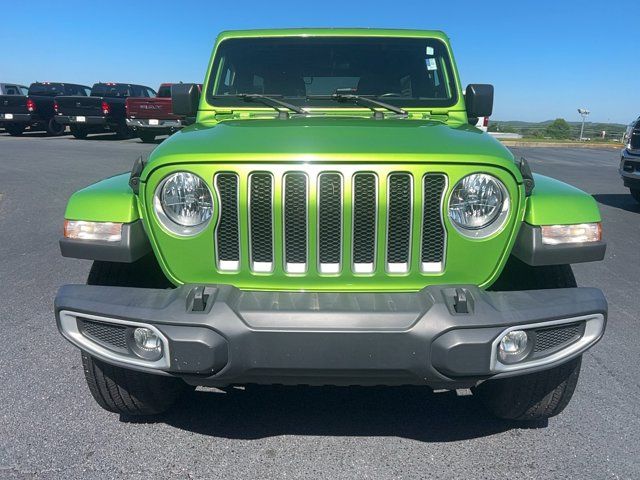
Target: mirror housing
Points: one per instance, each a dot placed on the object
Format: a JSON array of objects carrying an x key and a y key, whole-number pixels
[
  {"x": 478, "y": 99},
  {"x": 185, "y": 98}
]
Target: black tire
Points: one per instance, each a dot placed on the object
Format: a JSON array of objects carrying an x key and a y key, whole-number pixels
[
  {"x": 123, "y": 132},
  {"x": 78, "y": 132},
  {"x": 118, "y": 389},
  {"x": 147, "y": 137},
  {"x": 635, "y": 194},
  {"x": 54, "y": 128},
  {"x": 128, "y": 392},
  {"x": 536, "y": 396},
  {"x": 540, "y": 395},
  {"x": 14, "y": 130}
]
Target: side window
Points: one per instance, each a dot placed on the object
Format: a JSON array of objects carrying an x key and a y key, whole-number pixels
[
  {"x": 87, "y": 91},
  {"x": 24, "y": 90},
  {"x": 150, "y": 93}
]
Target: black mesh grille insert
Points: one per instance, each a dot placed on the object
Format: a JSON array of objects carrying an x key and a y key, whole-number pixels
[
  {"x": 261, "y": 217},
  {"x": 364, "y": 218},
  {"x": 295, "y": 218},
  {"x": 227, "y": 234},
  {"x": 330, "y": 218},
  {"x": 553, "y": 337},
  {"x": 107, "y": 334},
  {"x": 432, "y": 227},
  {"x": 399, "y": 218}
]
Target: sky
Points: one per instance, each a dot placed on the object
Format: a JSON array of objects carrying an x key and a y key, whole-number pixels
[{"x": 545, "y": 58}]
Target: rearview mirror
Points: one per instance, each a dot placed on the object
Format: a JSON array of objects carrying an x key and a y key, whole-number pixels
[
  {"x": 478, "y": 99},
  {"x": 185, "y": 98}
]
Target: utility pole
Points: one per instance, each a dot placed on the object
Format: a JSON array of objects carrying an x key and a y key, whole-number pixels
[{"x": 584, "y": 112}]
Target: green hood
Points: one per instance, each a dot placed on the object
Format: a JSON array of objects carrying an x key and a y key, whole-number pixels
[{"x": 318, "y": 138}]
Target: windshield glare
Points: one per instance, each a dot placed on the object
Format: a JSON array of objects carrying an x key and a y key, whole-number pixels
[{"x": 410, "y": 72}]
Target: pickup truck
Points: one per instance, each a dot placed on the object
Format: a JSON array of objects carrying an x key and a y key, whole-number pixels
[
  {"x": 332, "y": 218},
  {"x": 36, "y": 109},
  {"x": 630, "y": 160},
  {"x": 150, "y": 117},
  {"x": 102, "y": 111}
]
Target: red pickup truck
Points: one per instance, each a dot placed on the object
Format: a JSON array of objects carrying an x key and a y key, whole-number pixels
[{"x": 150, "y": 117}]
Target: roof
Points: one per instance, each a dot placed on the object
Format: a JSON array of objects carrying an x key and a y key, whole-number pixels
[{"x": 332, "y": 32}]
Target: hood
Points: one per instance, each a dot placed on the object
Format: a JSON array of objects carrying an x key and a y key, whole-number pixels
[{"x": 318, "y": 138}]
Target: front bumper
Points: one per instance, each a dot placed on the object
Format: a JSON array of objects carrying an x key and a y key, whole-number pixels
[
  {"x": 630, "y": 169},
  {"x": 444, "y": 337}
]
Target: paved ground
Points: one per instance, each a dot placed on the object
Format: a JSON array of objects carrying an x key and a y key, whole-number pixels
[{"x": 51, "y": 428}]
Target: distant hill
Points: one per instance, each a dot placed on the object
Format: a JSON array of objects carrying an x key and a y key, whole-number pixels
[{"x": 537, "y": 129}]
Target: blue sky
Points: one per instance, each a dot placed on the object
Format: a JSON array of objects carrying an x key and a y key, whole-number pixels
[{"x": 545, "y": 58}]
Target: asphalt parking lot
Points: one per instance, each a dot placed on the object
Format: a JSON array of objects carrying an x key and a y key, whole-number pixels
[{"x": 50, "y": 427}]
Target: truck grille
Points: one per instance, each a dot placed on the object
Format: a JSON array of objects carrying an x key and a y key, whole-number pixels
[{"x": 329, "y": 223}]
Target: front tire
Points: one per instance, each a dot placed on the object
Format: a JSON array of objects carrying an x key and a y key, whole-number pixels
[
  {"x": 635, "y": 193},
  {"x": 129, "y": 392},
  {"x": 536, "y": 396},
  {"x": 54, "y": 128},
  {"x": 539, "y": 395},
  {"x": 118, "y": 389}
]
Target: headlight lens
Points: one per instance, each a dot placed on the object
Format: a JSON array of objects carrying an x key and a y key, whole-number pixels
[
  {"x": 478, "y": 205},
  {"x": 183, "y": 203}
]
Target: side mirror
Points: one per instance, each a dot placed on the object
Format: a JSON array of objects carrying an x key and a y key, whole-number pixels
[
  {"x": 185, "y": 98},
  {"x": 478, "y": 99}
]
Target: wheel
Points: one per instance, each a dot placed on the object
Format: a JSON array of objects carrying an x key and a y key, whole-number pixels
[
  {"x": 539, "y": 395},
  {"x": 635, "y": 194},
  {"x": 536, "y": 396},
  {"x": 147, "y": 137},
  {"x": 78, "y": 132},
  {"x": 123, "y": 132},
  {"x": 118, "y": 389},
  {"x": 129, "y": 392},
  {"x": 14, "y": 130},
  {"x": 54, "y": 128}
]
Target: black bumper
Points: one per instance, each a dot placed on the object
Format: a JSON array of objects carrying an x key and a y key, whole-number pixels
[
  {"x": 88, "y": 121},
  {"x": 432, "y": 337},
  {"x": 15, "y": 118},
  {"x": 630, "y": 169}
]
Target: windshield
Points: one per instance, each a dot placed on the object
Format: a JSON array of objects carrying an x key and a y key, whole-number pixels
[
  {"x": 110, "y": 90},
  {"x": 46, "y": 89},
  {"x": 408, "y": 72}
]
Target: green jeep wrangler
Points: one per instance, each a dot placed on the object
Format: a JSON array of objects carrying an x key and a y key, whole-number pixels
[{"x": 332, "y": 217}]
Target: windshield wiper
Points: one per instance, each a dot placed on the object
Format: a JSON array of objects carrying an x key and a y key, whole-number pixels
[
  {"x": 343, "y": 96},
  {"x": 271, "y": 102}
]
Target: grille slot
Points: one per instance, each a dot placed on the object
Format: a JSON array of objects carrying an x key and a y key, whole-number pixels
[
  {"x": 261, "y": 221},
  {"x": 227, "y": 232},
  {"x": 330, "y": 222},
  {"x": 106, "y": 334},
  {"x": 554, "y": 337},
  {"x": 433, "y": 233},
  {"x": 295, "y": 222},
  {"x": 364, "y": 222},
  {"x": 399, "y": 222}
]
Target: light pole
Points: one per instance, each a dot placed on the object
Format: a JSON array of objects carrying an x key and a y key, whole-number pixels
[{"x": 584, "y": 112}]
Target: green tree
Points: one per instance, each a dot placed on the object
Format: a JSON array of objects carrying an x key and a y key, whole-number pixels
[{"x": 559, "y": 128}]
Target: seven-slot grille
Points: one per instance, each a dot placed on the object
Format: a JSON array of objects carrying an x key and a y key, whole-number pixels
[{"x": 344, "y": 218}]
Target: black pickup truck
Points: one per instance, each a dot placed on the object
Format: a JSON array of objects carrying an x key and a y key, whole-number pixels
[
  {"x": 36, "y": 110},
  {"x": 102, "y": 111}
]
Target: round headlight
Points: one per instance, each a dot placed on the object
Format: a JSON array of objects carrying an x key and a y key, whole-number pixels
[
  {"x": 183, "y": 203},
  {"x": 478, "y": 205}
]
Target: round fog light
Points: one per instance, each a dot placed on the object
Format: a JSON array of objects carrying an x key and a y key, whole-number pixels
[
  {"x": 147, "y": 344},
  {"x": 513, "y": 346}
]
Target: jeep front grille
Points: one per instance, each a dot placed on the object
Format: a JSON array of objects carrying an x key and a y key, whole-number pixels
[{"x": 329, "y": 223}]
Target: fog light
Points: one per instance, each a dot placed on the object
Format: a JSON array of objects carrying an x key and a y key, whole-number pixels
[
  {"x": 513, "y": 346},
  {"x": 147, "y": 344}
]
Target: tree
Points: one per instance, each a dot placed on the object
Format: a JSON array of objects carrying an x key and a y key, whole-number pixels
[{"x": 559, "y": 128}]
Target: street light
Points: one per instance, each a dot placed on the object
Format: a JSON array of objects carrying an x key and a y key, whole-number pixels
[{"x": 584, "y": 112}]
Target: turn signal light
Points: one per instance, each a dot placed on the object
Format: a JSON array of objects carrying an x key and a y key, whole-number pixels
[
  {"x": 31, "y": 105},
  {"x": 106, "y": 108},
  {"x": 99, "y": 231},
  {"x": 580, "y": 233}
]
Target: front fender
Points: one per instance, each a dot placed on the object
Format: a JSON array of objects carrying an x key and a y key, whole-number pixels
[{"x": 110, "y": 200}]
